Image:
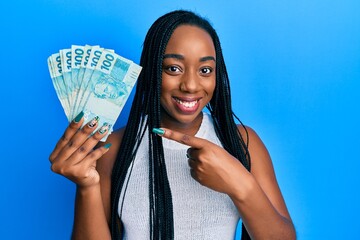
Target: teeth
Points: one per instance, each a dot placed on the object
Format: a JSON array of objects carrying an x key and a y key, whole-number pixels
[{"x": 187, "y": 104}]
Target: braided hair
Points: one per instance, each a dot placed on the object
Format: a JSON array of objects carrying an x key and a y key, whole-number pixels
[{"x": 145, "y": 115}]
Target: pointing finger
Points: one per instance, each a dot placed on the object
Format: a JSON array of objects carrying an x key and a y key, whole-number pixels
[{"x": 182, "y": 138}]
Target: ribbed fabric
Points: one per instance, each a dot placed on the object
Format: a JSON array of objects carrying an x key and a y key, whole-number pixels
[{"x": 199, "y": 212}]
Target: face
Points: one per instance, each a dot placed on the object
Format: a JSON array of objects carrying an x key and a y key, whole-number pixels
[{"x": 188, "y": 77}]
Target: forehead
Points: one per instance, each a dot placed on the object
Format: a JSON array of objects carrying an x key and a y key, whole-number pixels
[{"x": 189, "y": 38}]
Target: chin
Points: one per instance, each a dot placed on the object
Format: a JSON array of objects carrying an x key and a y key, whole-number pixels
[{"x": 182, "y": 118}]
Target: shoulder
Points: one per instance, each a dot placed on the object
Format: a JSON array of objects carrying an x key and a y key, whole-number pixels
[
  {"x": 262, "y": 169},
  {"x": 260, "y": 157},
  {"x": 251, "y": 137}
]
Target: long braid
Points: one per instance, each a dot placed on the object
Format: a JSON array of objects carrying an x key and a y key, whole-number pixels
[
  {"x": 146, "y": 113},
  {"x": 159, "y": 188},
  {"x": 225, "y": 125},
  {"x": 223, "y": 116}
]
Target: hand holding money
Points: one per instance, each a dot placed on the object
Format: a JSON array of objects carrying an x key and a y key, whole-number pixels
[
  {"x": 75, "y": 155},
  {"x": 94, "y": 80}
]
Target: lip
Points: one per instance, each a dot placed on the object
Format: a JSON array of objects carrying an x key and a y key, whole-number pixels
[{"x": 186, "y": 105}]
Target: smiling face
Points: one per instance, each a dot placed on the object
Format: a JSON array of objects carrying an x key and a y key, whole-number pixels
[{"x": 188, "y": 77}]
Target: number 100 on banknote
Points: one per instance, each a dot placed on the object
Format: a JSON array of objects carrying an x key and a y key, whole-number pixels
[{"x": 94, "y": 80}]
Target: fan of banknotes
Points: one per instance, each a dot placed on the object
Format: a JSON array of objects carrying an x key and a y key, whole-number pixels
[{"x": 94, "y": 80}]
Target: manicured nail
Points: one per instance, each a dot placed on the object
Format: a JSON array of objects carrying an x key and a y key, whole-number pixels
[
  {"x": 104, "y": 128},
  {"x": 158, "y": 131},
  {"x": 93, "y": 122},
  {"x": 79, "y": 117},
  {"x": 107, "y": 146}
]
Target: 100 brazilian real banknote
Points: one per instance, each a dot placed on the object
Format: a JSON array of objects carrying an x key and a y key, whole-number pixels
[{"x": 94, "y": 80}]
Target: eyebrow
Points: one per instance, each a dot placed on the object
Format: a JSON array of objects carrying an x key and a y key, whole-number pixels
[
  {"x": 173, "y": 55},
  {"x": 207, "y": 58},
  {"x": 181, "y": 57}
]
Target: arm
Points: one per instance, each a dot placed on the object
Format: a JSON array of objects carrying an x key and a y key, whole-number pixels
[
  {"x": 260, "y": 203},
  {"x": 90, "y": 169},
  {"x": 256, "y": 195},
  {"x": 92, "y": 206}
]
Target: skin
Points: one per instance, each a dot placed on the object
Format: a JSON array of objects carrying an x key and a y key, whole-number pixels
[{"x": 188, "y": 76}]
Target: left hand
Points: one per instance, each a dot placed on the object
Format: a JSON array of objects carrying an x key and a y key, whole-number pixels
[{"x": 210, "y": 164}]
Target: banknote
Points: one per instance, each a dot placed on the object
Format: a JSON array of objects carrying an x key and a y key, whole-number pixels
[
  {"x": 110, "y": 85},
  {"x": 59, "y": 83},
  {"x": 94, "y": 80},
  {"x": 77, "y": 54},
  {"x": 65, "y": 57},
  {"x": 89, "y": 69},
  {"x": 84, "y": 61},
  {"x": 55, "y": 84}
]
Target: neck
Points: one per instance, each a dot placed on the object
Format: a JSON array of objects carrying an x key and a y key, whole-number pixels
[{"x": 190, "y": 128}]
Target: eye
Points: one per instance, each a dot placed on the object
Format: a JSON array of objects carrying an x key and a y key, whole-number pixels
[
  {"x": 172, "y": 69},
  {"x": 206, "y": 70}
]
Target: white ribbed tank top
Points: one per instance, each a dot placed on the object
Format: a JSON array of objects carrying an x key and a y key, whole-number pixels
[{"x": 199, "y": 212}]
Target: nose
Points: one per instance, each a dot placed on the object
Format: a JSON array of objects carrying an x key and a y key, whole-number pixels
[{"x": 190, "y": 82}]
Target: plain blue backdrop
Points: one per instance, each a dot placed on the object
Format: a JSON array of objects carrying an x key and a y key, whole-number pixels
[{"x": 294, "y": 68}]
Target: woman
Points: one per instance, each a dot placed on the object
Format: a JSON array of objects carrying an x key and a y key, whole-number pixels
[{"x": 174, "y": 172}]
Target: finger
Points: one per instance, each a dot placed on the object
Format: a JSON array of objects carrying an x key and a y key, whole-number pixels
[
  {"x": 95, "y": 155},
  {"x": 192, "y": 141},
  {"x": 188, "y": 153},
  {"x": 193, "y": 174},
  {"x": 84, "y": 172},
  {"x": 192, "y": 163},
  {"x": 70, "y": 131},
  {"x": 89, "y": 145},
  {"x": 65, "y": 166},
  {"x": 78, "y": 139},
  {"x": 192, "y": 153}
]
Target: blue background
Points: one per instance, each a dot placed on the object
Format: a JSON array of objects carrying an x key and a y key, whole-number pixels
[{"x": 294, "y": 68}]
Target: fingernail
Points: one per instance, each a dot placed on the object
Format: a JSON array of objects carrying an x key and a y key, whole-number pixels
[
  {"x": 107, "y": 146},
  {"x": 79, "y": 117},
  {"x": 93, "y": 122},
  {"x": 158, "y": 131},
  {"x": 104, "y": 128}
]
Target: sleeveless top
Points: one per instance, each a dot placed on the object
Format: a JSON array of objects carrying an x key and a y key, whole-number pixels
[{"x": 199, "y": 212}]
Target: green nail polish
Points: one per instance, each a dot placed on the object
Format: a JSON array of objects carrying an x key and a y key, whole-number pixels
[
  {"x": 158, "y": 131},
  {"x": 107, "y": 146},
  {"x": 104, "y": 128},
  {"x": 79, "y": 117}
]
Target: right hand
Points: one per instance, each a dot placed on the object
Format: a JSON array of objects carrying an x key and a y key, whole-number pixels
[{"x": 74, "y": 155}]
